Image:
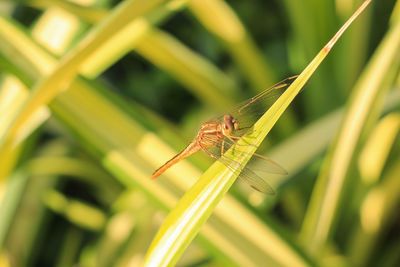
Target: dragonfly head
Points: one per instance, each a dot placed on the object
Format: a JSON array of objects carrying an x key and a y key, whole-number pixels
[{"x": 229, "y": 125}]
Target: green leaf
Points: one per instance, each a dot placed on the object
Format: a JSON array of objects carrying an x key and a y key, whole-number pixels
[
  {"x": 191, "y": 212},
  {"x": 69, "y": 67},
  {"x": 219, "y": 18},
  {"x": 366, "y": 103}
]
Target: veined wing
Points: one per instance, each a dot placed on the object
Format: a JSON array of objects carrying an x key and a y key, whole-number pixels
[
  {"x": 257, "y": 162},
  {"x": 250, "y": 110},
  {"x": 247, "y": 174},
  {"x": 264, "y": 164},
  {"x": 268, "y": 96}
]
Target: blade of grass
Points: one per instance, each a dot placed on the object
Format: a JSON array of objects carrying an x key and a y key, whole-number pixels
[
  {"x": 205, "y": 81},
  {"x": 185, "y": 220},
  {"x": 70, "y": 250},
  {"x": 48, "y": 88},
  {"x": 115, "y": 149},
  {"x": 22, "y": 234},
  {"x": 79, "y": 108},
  {"x": 90, "y": 112},
  {"x": 11, "y": 193},
  {"x": 303, "y": 25},
  {"x": 90, "y": 14},
  {"x": 111, "y": 50},
  {"x": 366, "y": 98},
  {"x": 305, "y": 19},
  {"x": 220, "y": 19},
  {"x": 114, "y": 48},
  {"x": 377, "y": 211},
  {"x": 298, "y": 151},
  {"x": 80, "y": 213},
  {"x": 354, "y": 46},
  {"x": 68, "y": 68},
  {"x": 121, "y": 153},
  {"x": 103, "y": 185},
  {"x": 195, "y": 72},
  {"x": 12, "y": 96},
  {"x": 379, "y": 202},
  {"x": 376, "y": 151}
]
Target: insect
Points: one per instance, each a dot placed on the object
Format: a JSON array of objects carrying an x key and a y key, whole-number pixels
[{"x": 217, "y": 135}]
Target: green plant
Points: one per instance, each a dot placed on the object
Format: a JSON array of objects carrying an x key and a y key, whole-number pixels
[{"x": 77, "y": 154}]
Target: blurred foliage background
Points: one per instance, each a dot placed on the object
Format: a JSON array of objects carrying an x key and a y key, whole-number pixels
[{"x": 96, "y": 94}]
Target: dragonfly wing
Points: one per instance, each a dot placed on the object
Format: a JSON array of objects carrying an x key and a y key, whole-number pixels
[
  {"x": 266, "y": 98},
  {"x": 256, "y": 181},
  {"x": 258, "y": 162},
  {"x": 248, "y": 176},
  {"x": 264, "y": 164},
  {"x": 249, "y": 111}
]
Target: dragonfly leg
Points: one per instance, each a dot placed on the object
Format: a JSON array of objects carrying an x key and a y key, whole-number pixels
[
  {"x": 222, "y": 147},
  {"x": 231, "y": 138},
  {"x": 208, "y": 152}
]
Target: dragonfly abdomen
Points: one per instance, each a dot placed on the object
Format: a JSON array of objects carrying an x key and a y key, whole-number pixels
[{"x": 192, "y": 148}]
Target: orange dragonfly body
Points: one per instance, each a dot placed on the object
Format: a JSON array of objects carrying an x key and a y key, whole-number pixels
[
  {"x": 211, "y": 133},
  {"x": 216, "y": 136}
]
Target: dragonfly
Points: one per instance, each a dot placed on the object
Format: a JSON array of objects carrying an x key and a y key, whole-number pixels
[{"x": 222, "y": 132}]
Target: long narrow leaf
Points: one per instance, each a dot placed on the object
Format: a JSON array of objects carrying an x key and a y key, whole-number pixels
[
  {"x": 185, "y": 220},
  {"x": 129, "y": 153},
  {"x": 48, "y": 88},
  {"x": 368, "y": 96},
  {"x": 219, "y": 18}
]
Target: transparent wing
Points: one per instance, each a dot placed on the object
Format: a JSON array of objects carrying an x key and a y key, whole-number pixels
[
  {"x": 264, "y": 164},
  {"x": 257, "y": 162},
  {"x": 247, "y": 175},
  {"x": 249, "y": 111}
]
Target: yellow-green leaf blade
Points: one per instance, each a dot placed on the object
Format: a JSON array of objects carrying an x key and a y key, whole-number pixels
[{"x": 185, "y": 220}]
